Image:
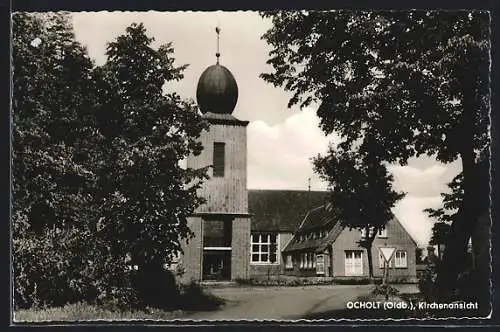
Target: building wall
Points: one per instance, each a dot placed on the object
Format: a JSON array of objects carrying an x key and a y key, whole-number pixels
[
  {"x": 191, "y": 259},
  {"x": 240, "y": 254},
  {"x": 226, "y": 194},
  {"x": 399, "y": 238},
  {"x": 396, "y": 237},
  {"x": 295, "y": 270}
]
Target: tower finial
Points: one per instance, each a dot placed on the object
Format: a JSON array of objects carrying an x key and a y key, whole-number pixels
[{"x": 217, "y": 30}]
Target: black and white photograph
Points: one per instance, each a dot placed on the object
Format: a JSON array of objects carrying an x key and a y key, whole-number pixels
[{"x": 285, "y": 166}]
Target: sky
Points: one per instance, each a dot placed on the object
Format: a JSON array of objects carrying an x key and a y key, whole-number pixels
[{"x": 281, "y": 141}]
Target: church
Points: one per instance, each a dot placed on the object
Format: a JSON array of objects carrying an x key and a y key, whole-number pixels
[{"x": 242, "y": 234}]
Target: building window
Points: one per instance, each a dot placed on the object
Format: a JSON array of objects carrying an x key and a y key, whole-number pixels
[
  {"x": 381, "y": 261},
  {"x": 353, "y": 263},
  {"x": 217, "y": 233},
  {"x": 219, "y": 159},
  {"x": 289, "y": 263},
  {"x": 320, "y": 264},
  {"x": 382, "y": 233},
  {"x": 401, "y": 260},
  {"x": 302, "y": 261},
  {"x": 265, "y": 248}
]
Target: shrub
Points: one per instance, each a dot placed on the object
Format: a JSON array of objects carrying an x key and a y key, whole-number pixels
[
  {"x": 426, "y": 282},
  {"x": 194, "y": 298},
  {"x": 156, "y": 287},
  {"x": 357, "y": 281},
  {"x": 385, "y": 289}
]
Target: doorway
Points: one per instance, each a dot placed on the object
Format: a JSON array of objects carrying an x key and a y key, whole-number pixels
[{"x": 216, "y": 265}]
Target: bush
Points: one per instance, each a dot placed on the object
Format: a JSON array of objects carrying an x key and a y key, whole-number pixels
[
  {"x": 426, "y": 282},
  {"x": 285, "y": 281},
  {"x": 53, "y": 268},
  {"x": 156, "y": 287},
  {"x": 357, "y": 281},
  {"x": 194, "y": 298},
  {"x": 385, "y": 289}
]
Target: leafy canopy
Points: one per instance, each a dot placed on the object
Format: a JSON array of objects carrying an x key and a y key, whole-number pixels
[
  {"x": 143, "y": 189},
  {"x": 405, "y": 77},
  {"x": 96, "y": 154}
]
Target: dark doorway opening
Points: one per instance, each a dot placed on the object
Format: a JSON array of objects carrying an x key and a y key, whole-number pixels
[{"x": 216, "y": 265}]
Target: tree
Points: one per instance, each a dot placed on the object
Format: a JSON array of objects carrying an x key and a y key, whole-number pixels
[
  {"x": 361, "y": 189},
  {"x": 447, "y": 213},
  {"x": 451, "y": 202},
  {"x": 417, "y": 81},
  {"x": 52, "y": 205},
  {"x": 96, "y": 172},
  {"x": 145, "y": 195}
]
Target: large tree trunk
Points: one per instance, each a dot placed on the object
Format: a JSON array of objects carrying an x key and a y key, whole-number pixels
[{"x": 455, "y": 252}]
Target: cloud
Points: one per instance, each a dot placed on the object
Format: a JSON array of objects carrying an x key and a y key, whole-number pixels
[
  {"x": 410, "y": 213},
  {"x": 280, "y": 155},
  {"x": 193, "y": 38},
  {"x": 279, "y": 158},
  {"x": 424, "y": 176}
]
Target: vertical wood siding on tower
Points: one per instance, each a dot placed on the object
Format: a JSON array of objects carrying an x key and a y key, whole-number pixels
[{"x": 226, "y": 194}]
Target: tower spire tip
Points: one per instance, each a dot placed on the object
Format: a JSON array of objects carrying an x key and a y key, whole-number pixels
[{"x": 217, "y": 30}]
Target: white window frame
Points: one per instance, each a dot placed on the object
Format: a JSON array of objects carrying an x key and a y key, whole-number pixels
[
  {"x": 353, "y": 266},
  {"x": 320, "y": 264},
  {"x": 261, "y": 243},
  {"x": 401, "y": 259},
  {"x": 382, "y": 233}
]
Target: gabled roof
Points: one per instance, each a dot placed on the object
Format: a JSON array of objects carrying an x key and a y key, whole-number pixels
[
  {"x": 281, "y": 210},
  {"x": 322, "y": 217}
]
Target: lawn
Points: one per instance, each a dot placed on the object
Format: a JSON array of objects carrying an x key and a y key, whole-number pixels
[{"x": 86, "y": 312}]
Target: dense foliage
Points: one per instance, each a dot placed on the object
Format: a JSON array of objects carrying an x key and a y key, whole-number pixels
[
  {"x": 97, "y": 185},
  {"x": 361, "y": 189},
  {"x": 415, "y": 81}
]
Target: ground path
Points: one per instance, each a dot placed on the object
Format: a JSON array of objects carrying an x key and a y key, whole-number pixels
[{"x": 282, "y": 303}]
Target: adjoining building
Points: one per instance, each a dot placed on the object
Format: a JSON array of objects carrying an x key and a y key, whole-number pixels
[
  {"x": 241, "y": 234},
  {"x": 323, "y": 247}
]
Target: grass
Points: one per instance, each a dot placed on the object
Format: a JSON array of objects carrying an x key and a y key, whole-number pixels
[{"x": 86, "y": 312}]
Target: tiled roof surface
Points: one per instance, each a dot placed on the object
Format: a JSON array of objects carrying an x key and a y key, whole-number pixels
[
  {"x": 322, "y": 217},
  {"x": 281, "y": 210}
]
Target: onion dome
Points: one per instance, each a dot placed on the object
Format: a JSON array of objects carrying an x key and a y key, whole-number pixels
[{"x": 217, "y": 91}]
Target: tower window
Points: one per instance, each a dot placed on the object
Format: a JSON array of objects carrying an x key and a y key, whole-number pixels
[{"x": 219, "y": 159}]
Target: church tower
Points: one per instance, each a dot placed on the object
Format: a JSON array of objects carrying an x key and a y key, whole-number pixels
[{"x": 220, "y": 248}]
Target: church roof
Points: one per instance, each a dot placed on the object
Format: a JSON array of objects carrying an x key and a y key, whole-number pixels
[{"x": 281, "y": 210}]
